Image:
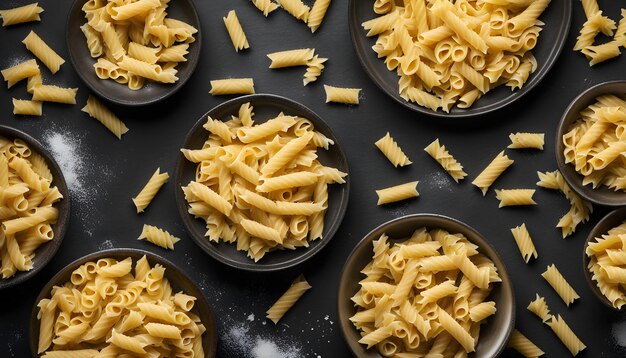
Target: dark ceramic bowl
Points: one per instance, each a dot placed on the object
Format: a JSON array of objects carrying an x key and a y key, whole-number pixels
[
  {"x": 493, "y": 336},
  {"x": 265, "y": 106},
  {"x": 152, "y": 92},
  {"x": 551, "y": 41},
  {"x": 178, "y": 279},
  {"x": 611, "y": 220},
  {"x": 45, "y": 252},
  {"x": 601, "y": 195}
]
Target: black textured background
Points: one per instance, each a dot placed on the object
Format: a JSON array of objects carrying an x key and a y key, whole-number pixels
[{"x": 116, "y": 170}]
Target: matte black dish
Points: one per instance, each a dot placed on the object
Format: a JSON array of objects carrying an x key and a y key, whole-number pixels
[
  {"x": 177, "y": 278},
  {"x": 493, "y": 336},
  {"x": 45, "y": 252},
  {"x": 151, "y": 92},
  {"x": 611, "y": 220},
  {"x": 600, "y": 195},
  {"x": 265, "y": 106},
  {"x": 550, "y": 44}
]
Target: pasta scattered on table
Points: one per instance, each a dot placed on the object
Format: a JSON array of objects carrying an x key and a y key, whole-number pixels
[
  {"x": 524, "y": 346},
  {"x": 232, "y": 86},
  {"x": 97, "y": 110},
  {"x": 149, "y": 191},
  {"x": 266, "y": 6},
  {"x": 566, "y": 335},
  {"x": 27, "y": 206},
  {"x": 235, "y": 31},
  {"x": 314, "y": 68},
  {"x": 158, "y": 237},
  {"x": 296, "y": 8},
  {"x": 43, "y": 52},
  {"x": 22, "y": 14},
  {"x": 560, "y": 285},
  {"x": 342, "y": 95},
  {"x": 595, "y": 24},
  {"x": 288, "y": 299},
  {"x": 19, "y": 72},
  {"x": 291, "y": 58},
  {"x": 260, "y": 185},
  {"x": 110, "y": 309},
  {"x": 317, "y": 13},
  {"x": 524, "y": 242},
  {"x": 439, "y": 153},
  {"x": 432, "y": 277},
  {"x": 540, "y": 308},
  {"x": 390, "y": 148},
  {"x": 606, "y": 259},
  {"x": 397, "y": 193},
  {"x": 26, "y": 107},
  {"x": 523, "y": 140},
  {"x": 492, "y": 172},
  {"x": 515, "y": 197}
]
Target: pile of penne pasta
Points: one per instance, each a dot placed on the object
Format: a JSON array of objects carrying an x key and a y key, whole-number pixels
[
  {"x": 607, "y": 264},
  {"x": 106, "y": 310},
  {"x": 449, "y": 53},
  {"x": 27, "y": 206},
  {"x": 260, "y": 185},
  {"x": 425, "y": 295},
  {"x": 135, "y": 41}
]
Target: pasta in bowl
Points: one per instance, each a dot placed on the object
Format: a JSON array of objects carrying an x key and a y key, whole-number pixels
[
  {"x": 35, "y": 207},
  {"x": 134, "y": 53},
  {"x": 262, "y": 183},
  {"x": 425, "y": 283},
  {"x": 122, "y": 301},
  {"x": 456, "y": 58}
]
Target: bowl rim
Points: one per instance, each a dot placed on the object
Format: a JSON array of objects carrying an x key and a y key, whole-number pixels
[
  {"x": 555, "y": 53},
  {"x": 45, "y": 291},
  {"x": 203, "y": 242},
  {"x": 192, "y": 61},
  {"x": 608, "y": 219},
  {"x": 571, "y": 176},
  {"x": 64, "y": 206},
  {"x": 370, "y": 236}
]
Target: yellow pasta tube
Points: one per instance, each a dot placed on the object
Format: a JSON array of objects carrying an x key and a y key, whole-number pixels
[
  {"x": 524, "y": 346},
  {"x": 446, "y": 160},
  {"x": 158, "y": 237},
  {"x": 397, "y": 193},
  {"x": 235, "y": 31},
  {"x": 232, "y": 86},
  {"x": 566, "y": 335},
  {"x": 521, "y": 140},
  {"x": 20, "y": 71},
  {"x": 49, "y": 93},
  {"x": 266, "y": 6},
  {"x": 491, "y": 173},
  {"x": 22, "y": 14},
  {"x": 152, "y": 187},
  {"x": 25, "y": 107},
  {"x": 296, "y": 8},
  {"x": 133, "y": 9},
  {"x": 288, "y": 299},
  {"x": 515, "y": 197},
  {"x": 524, "y": 242},
  {"x": 342, "y": 95},
  {"x": 291, "y": 58},
  {"x": 97, "y": 110},
  {"x": 392, "y": 151},
  {"x": 317, "y": 13},
  {"x": 43, "y": 52},
  {"x": 560, "y": 285},
  {"x": 540, "y": 308}
]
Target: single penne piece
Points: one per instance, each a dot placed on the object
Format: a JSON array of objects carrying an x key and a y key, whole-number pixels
[
  {"x": 291, "y": 58},
  {"x": 288, "y": 299},
  {"x": 560, "y": 285},
  {"x": 152, "y": 187},
  {"x": 20, "y": 15},
  {"x": 397, "y": 193},
  {"x": 43, "y": 52},
  {"x": 342, "y": 95},
  {"x": 49, "y": 93},
  {"x": 521, "y": 140},
  {"x": 158, "y": 237},
  {"x": 392, "y": 151},
  {"x": 515, "y": 197},
  {"x": 524, "y": 242},
  {"x": 26, "y": 107},
  {"x": 492, "y": 172},
  {"x": 235, "y": 31},
  {"x": 317, "y": 13},
  {"x": 446, "y": 160},
  {"x": 232, "y": 86},
  {"x": 97, "y": 110}
]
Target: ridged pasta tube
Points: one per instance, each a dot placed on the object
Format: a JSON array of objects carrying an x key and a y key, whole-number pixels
[
  {"x": 566, "y": 335},
  {"x": 43, "y": 52},
  {"x": 539, "y": 307},
  {"x": 389, "y": 147},
  {"x": 291, "y": 58},
  {"x": 97, "y": 110},
  {"x": 521, "y": 140},
  {"x": 20, "y": 72},
  {"x": 158, "y": 237},
  {"x": 232, "y": 86},
  {"x": 397, "y": 193},
  {"x": 515, "y": 197},
  {"x": 524, "y": 242},
  {"x": 314, "y": 68},
  {"x": 288, "y": 299},
  {"x": 152, "y": 187},
  {"x": 342, "y": 94},
  {"x": 26, "y": 107},
  {"x": 524, "y": 346},
  {"x": 266, "y": 6},
  {"x": 446, "y": 160},
  {"x": 560, "y": 285},
  {"x": 317, "y": 13},
  {"x": 491, "y": 173},
  {"x": 22, "y": 14},
  {"x": 296, "y": 8},
  {"x": 235, "y": 31},
  {"x": 49, "y": 93}
]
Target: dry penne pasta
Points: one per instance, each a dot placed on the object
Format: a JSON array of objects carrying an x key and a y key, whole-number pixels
[
  {"x": 491, "y": 173},
  {"x": 314, "y": 68},
  {"x": 524, "y": 346},
  {"x": 266, "y": 6},
  {"x": 158, "y": 237},
  {"x": 49, "y": 93},
  {"x": 43, "y": 52},
  {"x": 524, "y": 242},
  {"x": 566, "y": 335},
  {"x": 392, "y": 151},
  {"x": 296, "y": 8},
  {"x": 26, "y": 107},
  {"x": 317, "y": 13},
  {"x": 342, "y": 94},
  {"x": 560, "y": 285},
  {"x": 235, "y": 31},
  {"x": 97, "y": 110},
  {"x": 291, "y": 58},
  {"x": 397, "y": 193},
  {"x": 439, "y": 153},
  {"x": 149, "y": 191},
  {"x": 540, "y": 308},
  {"x": 232, "y": 86},
  {"x": 20, "y": 72},
  {"x": 521, "y": 140},
  {"x": 22, "y": 14},
  {"x": 515, "y": 197},
  {"x": 288, "y": 299}
]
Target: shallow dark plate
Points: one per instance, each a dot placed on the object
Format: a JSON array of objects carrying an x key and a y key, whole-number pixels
[
  {"x": 611, "y": 220},
  {"x": 45, "y": 252},
  {"x": 265, "y": 106},
  {"x": 551, "y": 41},
  {"x": 151, "y": 92},
  {"x": 601, "y": 195},
  {"x": 493, "y": 336},
  {"x": 177, "y": 278}
]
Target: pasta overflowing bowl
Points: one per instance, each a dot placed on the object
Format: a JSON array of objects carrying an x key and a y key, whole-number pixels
[
  {"x": 394, "y": 234},
  {"x": 472, "y": 85},
  {"x": 159, "y": 69},
  {"x": 266, "y": 216},
  {"x": 76, "y": 271},
  {"x": 49, "y": 235},
  {"x": 600, "y": 183}
]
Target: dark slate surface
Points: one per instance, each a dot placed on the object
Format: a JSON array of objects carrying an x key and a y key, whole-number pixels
[{"x": 103, "y": 215}]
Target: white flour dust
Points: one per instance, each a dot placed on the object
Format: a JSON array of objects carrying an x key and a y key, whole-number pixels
[
  {"x": 439, "y": 180},
  {"x": 65, "y": 150},
  {"x": 619, "y": 333},
  {"x": 239, "y": 340},
  {"x": 251, "y": 317},
  {"x": 105, "y": 245}
]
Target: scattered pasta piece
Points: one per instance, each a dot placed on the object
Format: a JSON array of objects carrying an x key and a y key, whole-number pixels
[
  {"x": 392, "y": 151},
  {"x": 540, "y": 308},
  {"x": 43, "y": 52},
  {"x": 606, "y": 257},
  {"x": 97, "y": 110},
  {"x": 150, "y": 319},
  {"x": 260, "y": 185},
  {"x": 447, "y": 55},
  {"x": 524, "y": 242},
  {"x": 26, "y": 107},
  {"x": 314, "y": 68},
  {"x": 48, "y": 93},
  {"x": 317, "y": 13},
  {"x": 342, "y": 95},
  {"x": 521, "y": 140},
  {"x": 580, "y": 210},
  {"x": 296, "y": 8},
  {"x": 266, "y": 6},
  {"x": 235, "y": 31},
  {"x": 560, "y": 285},
  {"x": 409, "y": 281},
  {"x": 491, "y": 173},
  {"x": 27, "y": 209},
  {"x": 524, "y": 346},
  {"x": 20, "y": 15},
  {"x": 595, "y": 24},
  {"x": 288, "y": 299},
  {"x": 232, "y": 86},
  {"x": 149, "y": 191},
  {"x": 397, "y": 193},
  {"x": 515, "y": 197},
  {"x": 158, "y": 237},
  {"x": 566, "y": 335},
  {"x": 21, "y": 71},
  {"x": 291, "y": 58},
  {"x": 439, "y": 153}
]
